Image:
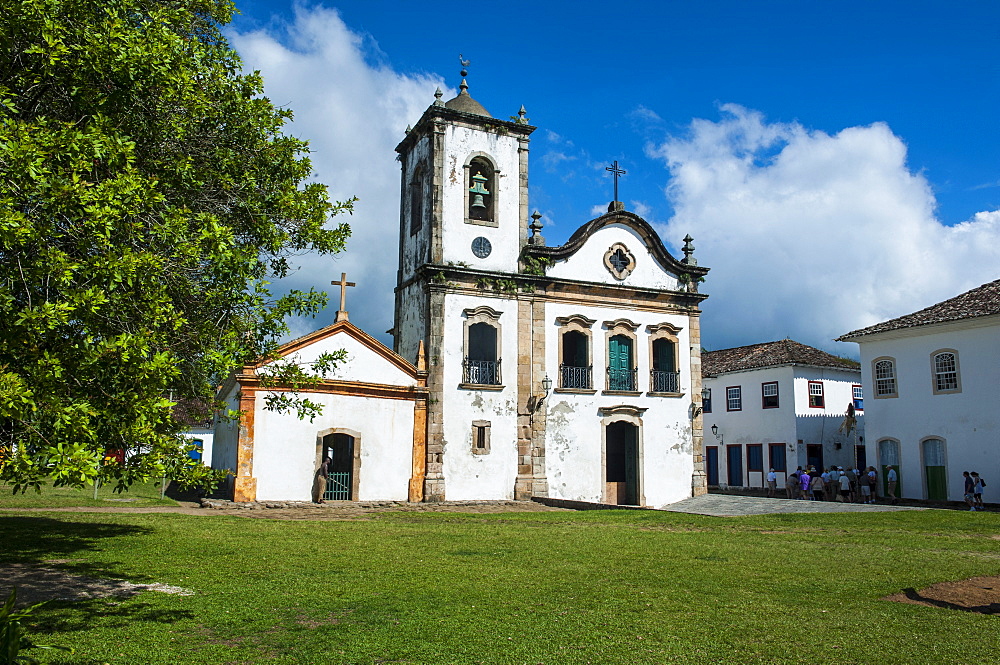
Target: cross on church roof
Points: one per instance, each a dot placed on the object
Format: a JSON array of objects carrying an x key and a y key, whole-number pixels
[
  {"x": 343, "y": 284},
  {"x": 615, "y": 171}
]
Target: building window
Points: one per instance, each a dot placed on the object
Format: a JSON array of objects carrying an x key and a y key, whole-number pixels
[
  {"x": 945, "y": 367},
  {"x": 755, "y": 457},
  {"x": 859, "y": 397},
  {"x": 481, "y": 365},
  {"x": 706, "y": 403},
  {"x": 816, "y": 400},
  {"x": 769, "y": 395},
  {"x": 481, "y": 192},
  {"x": 621, "y": 370},
  {"x": 663, "y": 375},
  {"x": 416, "y": 201},
  {"x": 621, "y": 364},
  {"x": 480, "y": 437},
  {"x": 576, "y": 371},
  {"x": 619, "y": 261},
  {"x": 734, "y": 398},
  {"x": 884, "y": 371}
]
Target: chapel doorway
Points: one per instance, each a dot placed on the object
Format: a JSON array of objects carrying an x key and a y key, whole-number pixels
[
  {"x": 340, "y": 484},
  {"x": 621, "y": 469},
  {"x": 935, "y": 474}
]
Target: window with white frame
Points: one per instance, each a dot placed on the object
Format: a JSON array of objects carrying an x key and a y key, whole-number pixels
[
  {"x": 734, "y": 398},
  {"x": 945, "y": 372},
  {"x": 859, "y": 397},
  {"x": 769, "y": 395},
  {"x": 816, "y": 399},
  {"x": 884, "y": 371}
]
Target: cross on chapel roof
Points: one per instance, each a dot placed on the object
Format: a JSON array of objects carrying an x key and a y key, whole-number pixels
[{"x": 343, "y": 284}]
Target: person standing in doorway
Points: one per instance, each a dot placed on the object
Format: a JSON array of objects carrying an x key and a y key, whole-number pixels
[
  {"x": 319, "y": 482},
  {"x": 891, "y": 477},
  {"x": 772, "y": 483}
]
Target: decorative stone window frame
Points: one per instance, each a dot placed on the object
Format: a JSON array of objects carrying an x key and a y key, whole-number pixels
[
  {"x": 615, "y": 272},
  {"x": 669, "y": 332},
  {"x": 417, "y": 199},
  {"x": 481, "y": 428},
  {"x": 493, "y": 182},
  {"x": 627, "y": 328},
  {"x": 488, "y": 315},
  {"x": 355, "y": 460},
  {"x": 935, "y": 372},
  {"x": 875, "y": 378},
  {"x": 581, "y": 324},
  {"x": 630, "y": 414}
]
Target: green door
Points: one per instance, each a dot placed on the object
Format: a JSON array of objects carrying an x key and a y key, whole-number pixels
[
  {"x": 934, "y": 470},
  {"x": 620, "y": 363},
  {"x": 888, "y": 455},
  {"x": 632, "y": 465}
]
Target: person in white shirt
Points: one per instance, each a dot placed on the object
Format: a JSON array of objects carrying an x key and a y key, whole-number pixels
[{"x": 772, "y": 483}]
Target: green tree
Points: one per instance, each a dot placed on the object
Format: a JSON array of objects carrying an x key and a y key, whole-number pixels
[{"x": 148, "y": 195}]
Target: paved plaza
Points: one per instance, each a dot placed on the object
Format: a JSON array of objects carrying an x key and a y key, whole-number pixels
[{"x": 730, "y": 505}]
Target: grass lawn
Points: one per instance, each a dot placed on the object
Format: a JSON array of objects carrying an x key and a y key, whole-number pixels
[
  {"x": 63, "y": 497},
  {"x": 594, "y": 587}
]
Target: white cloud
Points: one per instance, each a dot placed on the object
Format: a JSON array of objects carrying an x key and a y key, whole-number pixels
[
  {"x": 353, "y": 114},
  {"x": 811, "y": 235}
]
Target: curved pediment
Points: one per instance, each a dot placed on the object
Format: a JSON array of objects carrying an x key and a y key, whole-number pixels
[{"x": 638, "y": 226}]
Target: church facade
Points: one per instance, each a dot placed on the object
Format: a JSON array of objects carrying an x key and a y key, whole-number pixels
[{"x": 570, "y": 372}]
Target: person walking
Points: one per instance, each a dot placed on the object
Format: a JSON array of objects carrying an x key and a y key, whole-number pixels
[
  {"x": 970, "y": 489},
  {"x": 891, "y": 477},
  {"x": 792, "y": 485},
  {"x": 845, "y": 488},
  {"x": 772, "y": 483},
  {"x": 804, "y": 485},
  {"x": 872, "y": 484},
  {"x": 818, "y": 487},
  {"x": 834, "y": 487},
  {"x": 977, "y": 491},
  {"x": 852, "y": 477},
  {"x": 826, "y": 482}
]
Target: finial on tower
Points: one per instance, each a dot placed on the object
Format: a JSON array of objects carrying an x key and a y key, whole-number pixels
[
  {"x": 536, "y": 230},
  {"x": 437, "y": 97},
  {"x": 464, "y": 86},
  {"x": 522, "y": 116},
  {"x": 688, "y": 250}
]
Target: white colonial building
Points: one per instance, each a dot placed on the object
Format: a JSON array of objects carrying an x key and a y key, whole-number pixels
[
  {"x": 779, "y": 405},
  {"x": 568, "y": 372},
  {"x": 934, "y": 397}
]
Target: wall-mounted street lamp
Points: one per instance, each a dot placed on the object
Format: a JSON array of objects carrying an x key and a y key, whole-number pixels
[
  {"x": 706, "y": 394},
  {"x": 535, "y": 401},
  {"x": 715, "y": 430}
]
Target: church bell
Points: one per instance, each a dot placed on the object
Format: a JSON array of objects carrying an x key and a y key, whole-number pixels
[{"x": 477, "y": 188}]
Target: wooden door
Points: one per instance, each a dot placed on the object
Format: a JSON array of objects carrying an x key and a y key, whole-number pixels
[
  {"x": 734, "y": 459},
  {"x": 712, "y": 464},
  {"x": 935, "y": 472}
]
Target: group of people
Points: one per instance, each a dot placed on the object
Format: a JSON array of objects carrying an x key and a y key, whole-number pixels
[
  {"x": 834, "y": 483},
  {"x": 974, "y": 490}
]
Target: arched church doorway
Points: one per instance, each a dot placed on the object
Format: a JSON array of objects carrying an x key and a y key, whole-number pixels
[
  {"x": 342, "y": 449},
  {"x": 621, "y": 468}
]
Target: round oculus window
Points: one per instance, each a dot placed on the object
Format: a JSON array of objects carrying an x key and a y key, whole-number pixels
[{"x": 481, "y": 247}]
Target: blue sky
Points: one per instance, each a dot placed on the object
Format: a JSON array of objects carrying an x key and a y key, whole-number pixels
[{"x": 836, "y": 162}]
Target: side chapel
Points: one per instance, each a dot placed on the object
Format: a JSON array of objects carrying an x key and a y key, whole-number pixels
[{"x": 518, "y": 370}]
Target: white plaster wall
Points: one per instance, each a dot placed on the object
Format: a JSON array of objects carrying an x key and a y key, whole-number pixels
[
  {"x": 285, "y": 447},
  {"x": 587, "y": 263},
  {"x": 361, "y": 363},
  {"x": 415, "y": 248},
  {"x": 459, "y": 144},
  {"x": 791, "y": 422},
  {"x": 411, "y": 322},
  {"x": 573, "y": 446},
  {"x": 968, "y": 422},
  {"x": 207, "y": 438},
  {"x": 469, "y": 476}
]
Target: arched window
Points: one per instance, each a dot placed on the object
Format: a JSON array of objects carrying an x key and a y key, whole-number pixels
[
  {"x": 481, "y": 187},
  {"x": 884, "y": 371},
  {"x": 575, "y": 364},
  {"x": 481, "y": 365},
  {"x": 417, "y": 201},
  {"x": 945, "y": 368}
]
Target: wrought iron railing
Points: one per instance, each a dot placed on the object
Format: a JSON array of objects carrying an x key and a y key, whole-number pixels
[
  {"x": 663, "y": 382},
  {"x": 579, "y": 378},
  {"x": 338, "y": 487},
  {"x": 482, "y": 372},
  {"x": 622, "y": 379}
]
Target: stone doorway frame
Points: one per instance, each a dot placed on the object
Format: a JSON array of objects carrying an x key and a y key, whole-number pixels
[
  {"x": 355, "y": 461},
  {"x": 632, "y": 415}
]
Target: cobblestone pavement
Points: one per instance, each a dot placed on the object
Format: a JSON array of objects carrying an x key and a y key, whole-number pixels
[{"x": 726, "y": 505}]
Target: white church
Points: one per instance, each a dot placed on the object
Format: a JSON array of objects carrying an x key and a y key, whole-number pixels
[{"x": 518, "y": 370}]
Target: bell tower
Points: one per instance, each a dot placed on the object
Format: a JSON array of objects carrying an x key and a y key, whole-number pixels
[{"x": 463, "y": 201}]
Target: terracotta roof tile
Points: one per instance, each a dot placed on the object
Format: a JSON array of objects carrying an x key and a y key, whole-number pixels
[
  {"x": 981, "y": 301},
  {"x": 769, "y": 354}
]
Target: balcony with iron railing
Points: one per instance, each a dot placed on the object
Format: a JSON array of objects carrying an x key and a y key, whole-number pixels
[
  {"x": 481, "y": 372},
  {"x": 575, "y": 378},
  {"x": 623, "y": 380},
  {"x": 663, "y": 382}
]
